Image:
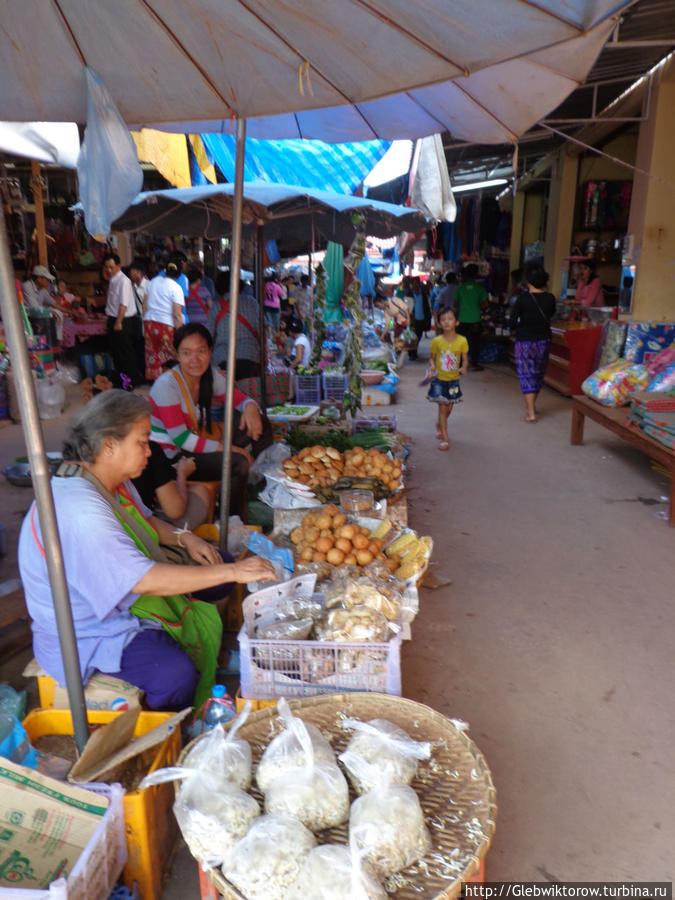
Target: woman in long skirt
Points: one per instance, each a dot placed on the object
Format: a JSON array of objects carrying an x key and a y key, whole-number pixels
[
  {"x": 531, "y": 316},
  {"x": 163, "y": 314}
]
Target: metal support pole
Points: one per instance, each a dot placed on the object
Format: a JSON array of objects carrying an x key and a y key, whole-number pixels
[
  {"x": 235, "y": 267},
  {"x": 260, "y": 297},
  {"x": 30, "y": 423}
]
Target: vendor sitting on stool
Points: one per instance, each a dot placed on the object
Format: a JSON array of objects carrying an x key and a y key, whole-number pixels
[{"x": 123, "y": 590}]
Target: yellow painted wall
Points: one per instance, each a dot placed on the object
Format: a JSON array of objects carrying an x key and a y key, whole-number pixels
[
  {"x": 652, "y": 219},
  {"x": 560, "y": 222}
]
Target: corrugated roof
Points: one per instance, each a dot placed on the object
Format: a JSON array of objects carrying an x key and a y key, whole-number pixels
[{"x": 622, "y": 63}]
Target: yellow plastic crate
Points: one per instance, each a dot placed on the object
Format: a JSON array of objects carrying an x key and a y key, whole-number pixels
[
  {"x": 255, "y": 704},
  {"x": 149, "y": 822}
]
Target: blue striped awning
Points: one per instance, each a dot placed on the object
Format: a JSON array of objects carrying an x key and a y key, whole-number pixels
[{"x": 329, "y": 167}]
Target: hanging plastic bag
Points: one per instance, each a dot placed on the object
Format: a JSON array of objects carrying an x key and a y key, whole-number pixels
[
  {"x": 267, "y": 861},
  {"x": 383, "y": 744},
  {"x": 335, "y": 872},
  {"x": 387, "y": 823},
  {"x": 285, "y": 751},
  {"x": 316, "y": 793},
  {"x": 108, "y": 170},
  {"x": 223, "y": 753}
]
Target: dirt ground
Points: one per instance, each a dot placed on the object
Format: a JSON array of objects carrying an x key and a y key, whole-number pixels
[{"x": 554, "y": 640}]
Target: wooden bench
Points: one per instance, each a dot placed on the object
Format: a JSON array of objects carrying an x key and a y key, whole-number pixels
[{"x": 616, "y": 420}]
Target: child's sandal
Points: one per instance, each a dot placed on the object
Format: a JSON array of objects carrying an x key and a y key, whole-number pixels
[{"x": 443, "y": 445}]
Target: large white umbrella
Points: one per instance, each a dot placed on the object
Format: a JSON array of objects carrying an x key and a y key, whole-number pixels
[{"x": 217, "y": 60}]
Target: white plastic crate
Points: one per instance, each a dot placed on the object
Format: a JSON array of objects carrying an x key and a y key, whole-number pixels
[
  {"x": 334, "y": 386},
  {"x": 307, "y": 390},
  {"x": 271, "y": 669},
  {"x": 100, "y": 863}
]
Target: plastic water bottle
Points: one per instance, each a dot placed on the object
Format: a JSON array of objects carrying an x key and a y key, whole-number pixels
[
  {"x": 221, "y": 708},
  {"x": 14, "y": 742}
]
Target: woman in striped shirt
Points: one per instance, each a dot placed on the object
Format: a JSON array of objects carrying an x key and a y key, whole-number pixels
[{"x": 181, "y": 402}]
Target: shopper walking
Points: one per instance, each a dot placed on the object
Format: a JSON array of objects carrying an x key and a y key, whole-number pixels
[
  {"x": 469, "y": 299},
  {"x": 163, "y": 315},
  {"x": 123, "y": 324},
  {"x": 531, "y": 316},
  {"x": 449, "y": 359}
]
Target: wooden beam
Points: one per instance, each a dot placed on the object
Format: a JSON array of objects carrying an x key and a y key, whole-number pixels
[{"x": 36, "y": 186}]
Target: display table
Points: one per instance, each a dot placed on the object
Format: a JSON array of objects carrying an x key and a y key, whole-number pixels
[
  {"x": 616, "y": 420},
  {"x": 81, "y": 331},
  {"x": 573, "y": 346}
]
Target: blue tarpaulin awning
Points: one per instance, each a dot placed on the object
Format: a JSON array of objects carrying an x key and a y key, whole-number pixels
[{"x": 315, "y": 164}]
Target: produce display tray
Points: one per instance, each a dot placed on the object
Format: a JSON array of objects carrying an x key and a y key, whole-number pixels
[
  {"x": 454, "y": 787},
  {"x": 290, "y": 417}
]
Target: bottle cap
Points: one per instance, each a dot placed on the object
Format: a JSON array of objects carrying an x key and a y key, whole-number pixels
[{"x": 219, "y": 690}]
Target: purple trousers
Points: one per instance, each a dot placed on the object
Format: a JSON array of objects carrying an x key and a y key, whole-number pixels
[{"x": 156, "y": 664}]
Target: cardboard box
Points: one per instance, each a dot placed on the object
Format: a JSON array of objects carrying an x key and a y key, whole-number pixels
[
  {"x": 101, "y": 691},
  {"x": 151, "y": 827},
  {"x": 50, "y": 830}
]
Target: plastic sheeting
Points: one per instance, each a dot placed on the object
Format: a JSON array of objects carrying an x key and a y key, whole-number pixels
[
  {"x": 329, "y": 167},
  {"x": 50, "y": 142},
  {"x": 430, "y": 191},
  {"x": 108, "y": 170}
]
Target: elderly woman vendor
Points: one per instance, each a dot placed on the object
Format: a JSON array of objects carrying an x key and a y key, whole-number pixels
[{"x": 117, "y": 574}]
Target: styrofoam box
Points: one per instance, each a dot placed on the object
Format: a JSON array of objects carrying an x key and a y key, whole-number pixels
[
  {"x": 371, "y": 396},
  {"x": 100, "y": 863},
  {"x": 307, "y": 668}
]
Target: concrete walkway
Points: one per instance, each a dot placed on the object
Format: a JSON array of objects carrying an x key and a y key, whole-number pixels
[{"x": 556, "y": 639}]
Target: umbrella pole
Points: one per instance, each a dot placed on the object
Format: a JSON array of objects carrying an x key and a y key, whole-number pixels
[
  {"x": 235, "y": 267},
  {"x": 260, "y": 296},
  {"x": 30, "y": 423}
]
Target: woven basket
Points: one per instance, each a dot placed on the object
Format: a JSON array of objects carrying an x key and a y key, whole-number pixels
[{"x": 454, "y": 787}]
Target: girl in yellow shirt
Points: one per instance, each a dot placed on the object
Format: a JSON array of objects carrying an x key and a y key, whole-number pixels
[{"x": 449, "y": 358}]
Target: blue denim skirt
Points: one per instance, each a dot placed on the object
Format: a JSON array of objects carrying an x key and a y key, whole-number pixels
[{"x": 444, "y": 391}]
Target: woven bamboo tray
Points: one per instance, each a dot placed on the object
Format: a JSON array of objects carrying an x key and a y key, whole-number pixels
[{"x": 454, "y": 787}]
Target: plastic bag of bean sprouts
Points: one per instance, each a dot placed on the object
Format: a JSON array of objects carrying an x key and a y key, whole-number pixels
[
  {"x": 335, "y": 872},
  {"x": 389, "y": 747},
  {"x": 222, "y": 752},
  {"x": 316, "y": 793},
  {"x": 286, "y": 752},
  {"x": 267, "y": 861},
  {"x": 386, "y": 824}
]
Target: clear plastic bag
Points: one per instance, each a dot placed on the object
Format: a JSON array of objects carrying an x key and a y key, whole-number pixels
[
  {"x": 377, "y": 593},
  {"x": 285, "y": 630},
  {"x": 224, "y": 753},
  {"x": 361, "y": 623},
  {"x": 268, "y": 860},
  {"x": 334, "y": 872},
  {"x": 317, "y": 793},
  {"x": 285, "y": 751},
  {"x": 212, "y": 813},
  {"x": 385, "y": 745},
  {"x": 387, "y": 823},
  {"x": 108, "y": 170}
]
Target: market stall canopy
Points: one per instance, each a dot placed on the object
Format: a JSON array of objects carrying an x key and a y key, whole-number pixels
[
  {"x": 289, "y": 213},
  {"x": 272, "y": 63},
  {"x": 48, "y": 142}
]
